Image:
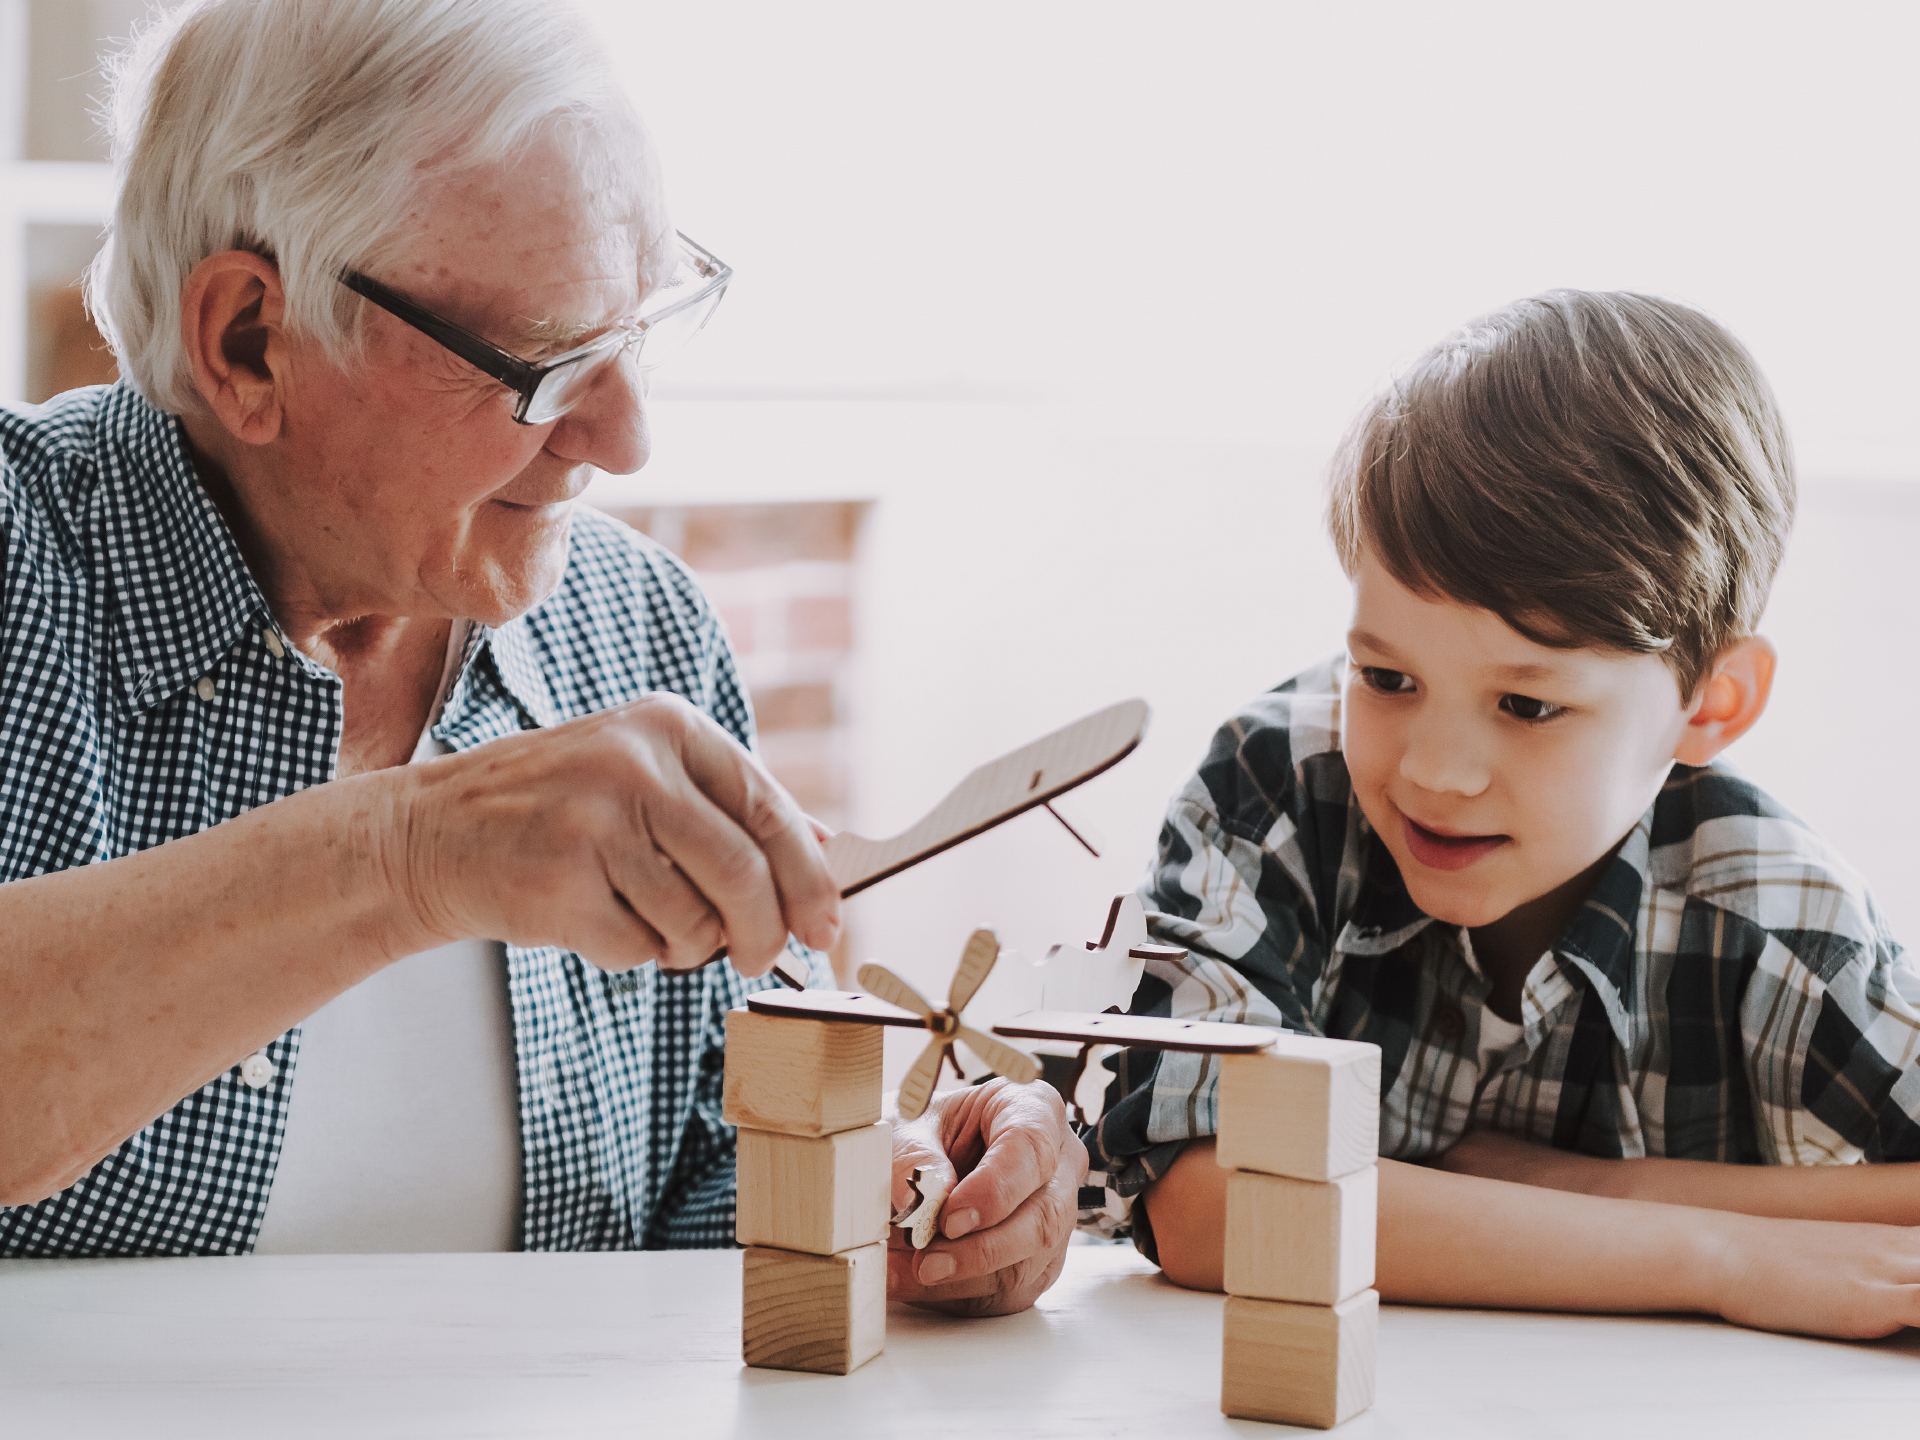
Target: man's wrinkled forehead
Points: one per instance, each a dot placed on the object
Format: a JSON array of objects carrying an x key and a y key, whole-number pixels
[{"x": 554, "y": 243}]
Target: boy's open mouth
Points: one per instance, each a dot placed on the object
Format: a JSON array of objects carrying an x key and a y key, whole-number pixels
[{"x": 1448, "y": 852}]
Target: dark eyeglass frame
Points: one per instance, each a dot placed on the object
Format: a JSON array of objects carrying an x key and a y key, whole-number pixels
[{"x": 525, "y": 377}]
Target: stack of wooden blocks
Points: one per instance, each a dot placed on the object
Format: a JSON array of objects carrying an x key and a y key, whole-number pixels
[
  {"x": 1299, "y": 1124},
  {"x": 815, "y": 1175}
]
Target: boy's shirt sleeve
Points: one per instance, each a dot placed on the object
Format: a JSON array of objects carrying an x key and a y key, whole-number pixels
[
  {"x": 1832, "y": 1029},
  {"x": 1257, "y": 862}
]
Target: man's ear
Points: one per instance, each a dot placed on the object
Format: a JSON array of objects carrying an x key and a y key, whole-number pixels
[
  {"x": 1731, "y": 698},
  {"x": 231, "y": 312}
]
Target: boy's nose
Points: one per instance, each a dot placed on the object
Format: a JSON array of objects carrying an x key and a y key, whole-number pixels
[{"x": 1444, "y": 763}]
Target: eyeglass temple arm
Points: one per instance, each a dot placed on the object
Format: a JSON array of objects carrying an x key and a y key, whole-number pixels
[{"x": 490, "y": 359}]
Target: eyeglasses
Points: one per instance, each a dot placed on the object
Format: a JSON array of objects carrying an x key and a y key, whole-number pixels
[{"x": 673, "y": 314}]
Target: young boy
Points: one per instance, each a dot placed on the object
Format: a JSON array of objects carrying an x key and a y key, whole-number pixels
[{"x": 1490, "y": 839}]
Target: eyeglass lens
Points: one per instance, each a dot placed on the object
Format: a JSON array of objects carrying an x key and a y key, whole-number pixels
[{"x": 565, "y": 386}]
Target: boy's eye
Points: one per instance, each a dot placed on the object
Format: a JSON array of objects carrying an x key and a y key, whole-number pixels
[
  {"x": 1525, "y": 707},
  {"x": 1387, "y": 682}
]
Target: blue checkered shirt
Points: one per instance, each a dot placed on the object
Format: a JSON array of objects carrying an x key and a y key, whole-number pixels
[
  {"x": 123, "y": 590},
  {"x": 1728, "y": 991}
]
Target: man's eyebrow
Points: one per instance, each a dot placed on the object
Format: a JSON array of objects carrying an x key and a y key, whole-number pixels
[{"x": 552, "y": 333}]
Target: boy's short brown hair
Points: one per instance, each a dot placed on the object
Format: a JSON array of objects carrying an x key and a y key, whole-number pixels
[{"x": 1602, "y": 469}]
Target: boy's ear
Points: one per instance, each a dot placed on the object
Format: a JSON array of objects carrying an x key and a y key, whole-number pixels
[
  {"x": 1731, "y": 698},
  {"x": 231, "y": 311}
]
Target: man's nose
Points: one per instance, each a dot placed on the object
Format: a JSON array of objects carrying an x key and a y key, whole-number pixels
[
  {"x": 1445, "y": 759},
  {"x": 608, "y": 428}
]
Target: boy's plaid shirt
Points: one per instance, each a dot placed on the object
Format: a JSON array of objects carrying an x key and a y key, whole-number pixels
[
  {"x": 1728, "y": 991},
  {"x": 122, "y": 590}
]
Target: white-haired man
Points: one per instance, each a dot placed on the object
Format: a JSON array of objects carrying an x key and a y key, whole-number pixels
[{"x": 383, "y": 279}]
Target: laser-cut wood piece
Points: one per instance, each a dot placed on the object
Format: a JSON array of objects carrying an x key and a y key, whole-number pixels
[
  {"x": 996, "y": 792},
  {"x": 945, "y": 1026},
  {"x": 1108, "y": 974},
  {"x": 820, "y": 1194},
  {"x": 1298, "y": 1364},
  {"x": 800, "y": 1077},
  {"x": 1307, "y": 1107},
  {"x": 846, "y": 1007},
  {"x": 822, "y": 1313},
  {"x": 1308, "y": 1241},
  {"x": 1139, "y": 1032}
]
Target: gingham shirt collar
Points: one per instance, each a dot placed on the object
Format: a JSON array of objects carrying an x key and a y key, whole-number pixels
[{"x": 169, "y": 556}]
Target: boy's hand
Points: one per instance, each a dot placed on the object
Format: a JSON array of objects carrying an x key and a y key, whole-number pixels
[
  {"x": 1820, "y": 1277},
  {"x": 1003, "y": 1233}
]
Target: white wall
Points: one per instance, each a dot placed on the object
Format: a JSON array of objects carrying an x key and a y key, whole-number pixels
[{"x": 1082, "y": 295}]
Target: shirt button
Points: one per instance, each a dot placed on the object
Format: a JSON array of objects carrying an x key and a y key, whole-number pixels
[
  {"x": 1448, "y": 1022},
  {"x": 274, "y": 647},
  {"x": 256, "y": 1070},
  {"x": 206, "y": 688}
]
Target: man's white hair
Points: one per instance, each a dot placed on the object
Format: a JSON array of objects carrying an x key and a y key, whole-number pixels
[{"x": 299, "y": 129}]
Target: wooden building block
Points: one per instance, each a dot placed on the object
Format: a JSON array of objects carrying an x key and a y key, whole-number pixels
[
  {"x": 1308, "y": 1107},
  {"x": 820, "y": 1194},
  {"x": 1299, "y": 1364},
  {"x": 1309, "y": 1241},
  {"x": 824, "y": 1313},
  {"x": 800, "y": 1077}
]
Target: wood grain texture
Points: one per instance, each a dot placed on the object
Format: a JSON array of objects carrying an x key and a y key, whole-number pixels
[
  {"x": 1299, "y": 1364},
  {"x": 800, "y": 1077},
  {"x": 997, "y": 791},
  {"x": 847, "y": 1007},
  {"x": 1308, "y": 1107},
  {"x": 823, "y": 1313},
  {"x": 1141, "y": 1032},
  {"x": 1309, "y": 1241},
  {"x": 819, "y": 1194}
]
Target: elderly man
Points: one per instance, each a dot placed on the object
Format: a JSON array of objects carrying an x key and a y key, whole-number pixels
[{"x": 311, "y": 666}]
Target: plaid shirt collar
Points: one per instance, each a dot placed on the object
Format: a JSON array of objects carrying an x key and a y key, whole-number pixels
[{"x": 1598, "y": 940}]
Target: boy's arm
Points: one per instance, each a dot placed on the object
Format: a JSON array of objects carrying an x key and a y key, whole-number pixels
[
  {"x": 1868, "y": 1194},
  {"x": 1448, "y": 1239}
]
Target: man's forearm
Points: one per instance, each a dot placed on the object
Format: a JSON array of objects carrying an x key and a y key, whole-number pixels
[{"x": 128, "y": 984}]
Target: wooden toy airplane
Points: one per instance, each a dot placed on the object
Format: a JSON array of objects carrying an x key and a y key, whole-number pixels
[
  {"x": 996, "y": 792},
  {"x": 901, "y": 1004}
]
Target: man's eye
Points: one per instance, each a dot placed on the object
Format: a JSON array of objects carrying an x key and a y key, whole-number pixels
[
  {"x": 1525, "y": 707},
  {"x": 1387, "y": 682}
]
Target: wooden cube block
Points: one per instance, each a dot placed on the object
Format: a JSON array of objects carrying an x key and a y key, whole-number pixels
[
  {"x": 1308, "y": 1107},
  {"x": 820, "y": 1194},
  {"x": 1305, "y": 1240},
  {"x": 800, "y": 1077},
  {"x": 1299, "y": 1364},
  {"x": 824, "y": 1313}
]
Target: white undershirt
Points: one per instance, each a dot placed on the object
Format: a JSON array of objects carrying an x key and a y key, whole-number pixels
[{"x": 403, "y": 1130}]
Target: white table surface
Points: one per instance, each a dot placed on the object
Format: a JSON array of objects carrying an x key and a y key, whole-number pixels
[{"x": 649, "y": 1344}]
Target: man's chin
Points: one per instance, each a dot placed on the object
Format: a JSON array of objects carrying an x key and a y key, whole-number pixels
[{"x": 508, "y": 587}]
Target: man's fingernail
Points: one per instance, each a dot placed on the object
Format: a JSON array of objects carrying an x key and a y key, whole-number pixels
[
  {"x": 935, "y": 1268},
  {"x": 961, "y": 1222}
]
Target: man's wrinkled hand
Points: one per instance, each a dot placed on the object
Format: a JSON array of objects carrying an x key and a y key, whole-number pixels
[{"x": 1014, "y": 1168}]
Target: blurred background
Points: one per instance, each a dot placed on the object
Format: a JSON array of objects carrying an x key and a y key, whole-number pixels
[{"x": 1048, "y": 315}]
